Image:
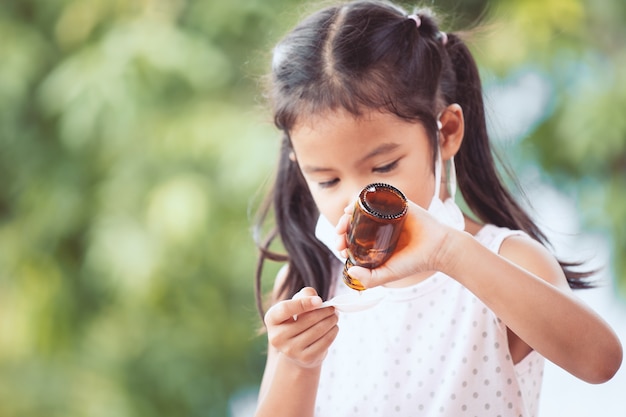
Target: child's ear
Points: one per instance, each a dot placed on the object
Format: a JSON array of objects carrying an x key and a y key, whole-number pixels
[{"x": 452, "y": 130}]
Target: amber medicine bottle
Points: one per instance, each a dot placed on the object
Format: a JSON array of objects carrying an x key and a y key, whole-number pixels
[{"x": 374, "y": 229}]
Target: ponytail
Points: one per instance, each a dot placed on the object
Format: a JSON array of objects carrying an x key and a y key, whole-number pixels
[{"x": 478, "y": 179}]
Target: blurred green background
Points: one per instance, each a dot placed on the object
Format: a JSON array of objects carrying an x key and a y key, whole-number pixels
[{"x": 134, "y": 146}]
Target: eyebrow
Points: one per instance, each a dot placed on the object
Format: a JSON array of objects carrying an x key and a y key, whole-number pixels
[
  {"x": 381, "y": 149},
  {"x": 314, "y": 170}
]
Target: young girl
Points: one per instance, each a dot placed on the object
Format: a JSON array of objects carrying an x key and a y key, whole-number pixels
[{"x": 470, "y": 303}]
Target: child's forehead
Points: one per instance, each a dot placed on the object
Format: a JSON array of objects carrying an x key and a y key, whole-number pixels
[
  {"x": 316, "y": 134},
  {"x": 340, "y": 115}
]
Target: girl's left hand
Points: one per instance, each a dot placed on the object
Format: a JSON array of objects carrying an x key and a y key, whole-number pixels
[{"x": 422, "y": 246}]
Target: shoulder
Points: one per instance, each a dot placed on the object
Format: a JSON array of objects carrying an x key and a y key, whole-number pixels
[{"x": 534, "y": 257}]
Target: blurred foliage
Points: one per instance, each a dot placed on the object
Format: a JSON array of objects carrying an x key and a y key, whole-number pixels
[
  {"x": 579, "y": 48},
  {"x": 133, "y": 146}
]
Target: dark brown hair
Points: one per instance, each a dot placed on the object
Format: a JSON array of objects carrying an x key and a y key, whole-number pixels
[{"x": 370, "y": 55}]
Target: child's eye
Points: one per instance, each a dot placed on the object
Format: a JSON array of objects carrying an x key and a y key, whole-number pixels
[
  {"x": 386, "y": 168},
  {"x": 328, "y": 184}
]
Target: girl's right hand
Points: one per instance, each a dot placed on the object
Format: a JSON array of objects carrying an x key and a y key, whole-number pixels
[
  {"x": 421, "y": 248},
  {"x": 300, "y": 330}
]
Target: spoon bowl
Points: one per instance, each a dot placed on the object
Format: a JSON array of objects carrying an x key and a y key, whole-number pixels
[{"x": 351, "y": 303}]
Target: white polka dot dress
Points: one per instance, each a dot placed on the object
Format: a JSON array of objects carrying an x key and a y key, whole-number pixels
[{"x": 432, "y": 349}]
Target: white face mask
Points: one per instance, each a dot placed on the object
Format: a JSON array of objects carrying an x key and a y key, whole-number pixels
[{"x": 446, "y": 212}]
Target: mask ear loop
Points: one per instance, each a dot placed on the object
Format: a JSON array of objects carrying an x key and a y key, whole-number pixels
[
  {"x": 439, "y": 162},
  {"x": 438, "y": 174},
  {"x": 452, "y": 178},
  {"x": 450, "y": 168}
]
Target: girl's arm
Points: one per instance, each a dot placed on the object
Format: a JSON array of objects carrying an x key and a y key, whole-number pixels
[
  {"x": 299, "y": 335},
  {"x": 523, "y": 285},
  {"x": 526, "y": 288}
]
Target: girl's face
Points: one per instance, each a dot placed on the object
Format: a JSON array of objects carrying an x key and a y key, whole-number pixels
[{"x": 339, "y": 154}]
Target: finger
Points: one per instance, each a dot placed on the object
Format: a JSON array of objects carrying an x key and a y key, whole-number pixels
[
  {"x": 304, "y": 292},
  {"x": 315, "y": 330},
  {"x": 371, "y": 277},
  {"x": 342, "y": 229},
  {"x": 310, "y": 347},
  {"x": 285, "y": 310},
  {"x": 323, "y": 342},
  {"x": 342, "y": 224},
  {"x": 319, "y": 347},
  {"x": 341, "y": 244},
  {"x": 292, "y": 337},
  {"x": 364, "y": 275}
]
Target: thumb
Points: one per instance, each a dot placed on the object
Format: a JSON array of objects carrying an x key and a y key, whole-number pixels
[
  {"x": 303, "y": 301},
  {"x": 304, "y": 292},
  {"x": 370, "y": 277}
]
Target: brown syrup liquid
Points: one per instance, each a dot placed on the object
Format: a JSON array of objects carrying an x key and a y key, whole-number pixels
[{"x": 374, "y": 230}]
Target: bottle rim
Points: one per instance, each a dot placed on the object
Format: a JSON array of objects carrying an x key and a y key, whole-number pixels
[{"x": 382, "y": 186}]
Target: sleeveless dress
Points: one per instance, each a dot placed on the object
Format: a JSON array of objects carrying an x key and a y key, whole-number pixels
[{"x": 432, "y": 349}]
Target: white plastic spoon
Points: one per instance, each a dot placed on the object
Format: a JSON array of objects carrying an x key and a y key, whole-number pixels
[{"x": 350, "y": 303}]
